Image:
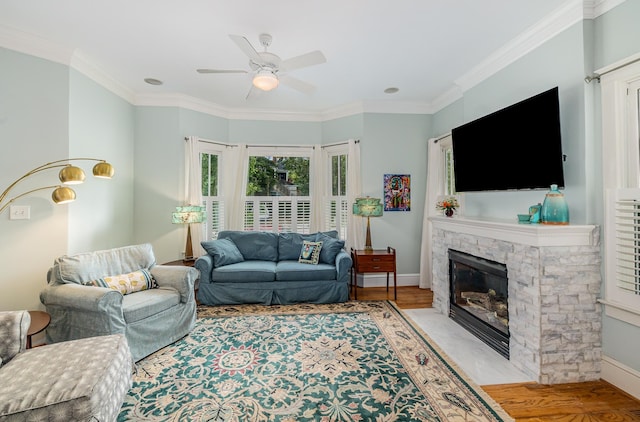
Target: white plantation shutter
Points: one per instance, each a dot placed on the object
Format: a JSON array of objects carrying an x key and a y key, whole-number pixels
[{"x": 623, "y": 238}]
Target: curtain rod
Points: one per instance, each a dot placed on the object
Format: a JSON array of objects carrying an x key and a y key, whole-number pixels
[
  {"x": 597, "y": 76},
  {"x": 186, "y": 138},
  {"x": 440, "y": 138},
  {"x": 357, "y": 141}
]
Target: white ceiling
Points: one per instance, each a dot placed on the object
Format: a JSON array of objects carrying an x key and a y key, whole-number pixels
[{"x": 422, "y": 47}]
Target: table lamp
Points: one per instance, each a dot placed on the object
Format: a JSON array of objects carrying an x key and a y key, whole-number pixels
[
  {"x": 188, "y": 215},
  {"x": 368, "y": 207}
]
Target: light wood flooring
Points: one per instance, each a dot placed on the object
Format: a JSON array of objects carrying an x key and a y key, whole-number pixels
[{"x": 596, "y": 401}]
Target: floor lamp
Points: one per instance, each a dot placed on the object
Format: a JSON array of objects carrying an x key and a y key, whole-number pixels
[
  {"x": 368, "y": 207},
  {"x": 188, "y": 215}
]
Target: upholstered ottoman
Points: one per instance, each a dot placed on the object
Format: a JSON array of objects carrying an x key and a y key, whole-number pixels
[{"x": 79, "y": 380}]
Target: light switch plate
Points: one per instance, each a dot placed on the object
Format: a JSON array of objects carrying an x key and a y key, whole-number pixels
[{"x": 19, "y": 212}]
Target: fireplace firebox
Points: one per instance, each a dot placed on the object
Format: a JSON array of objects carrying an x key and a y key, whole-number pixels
[{"x": 478, "y": 298}]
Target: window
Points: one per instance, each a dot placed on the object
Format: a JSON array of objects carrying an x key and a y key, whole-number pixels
[
  {"x": 621, "y": 180},
  {"x": 210, "y": 165},
  {"x": 449, "y": 181},
  {"x": 278, "y": 191},
  {"x": 336, "y": 205}
]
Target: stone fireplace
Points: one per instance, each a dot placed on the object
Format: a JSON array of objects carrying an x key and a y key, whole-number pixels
[{"x": 554, "y": 281}]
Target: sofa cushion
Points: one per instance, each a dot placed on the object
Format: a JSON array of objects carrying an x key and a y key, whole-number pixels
[
  {"x": 141, "y": 305},
  {"x": 88, "y": 266},
  {"x": 245, "y": 272},
  {"x": 330, "y": 248},
  {"x": 126, "y": 283},
  {"x": 295, "y": 271},
  {"x": 223, "y": 251},
  {"x": 310, "y": 252},
  {"x": 289, "y": 245},
  {"x": 260, "y": 246}
]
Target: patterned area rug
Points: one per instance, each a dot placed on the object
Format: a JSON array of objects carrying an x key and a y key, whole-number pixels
[{"x": 356, "y": 361}]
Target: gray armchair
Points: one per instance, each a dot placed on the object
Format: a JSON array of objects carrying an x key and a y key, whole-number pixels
[
  {"x": 81, "y": 380},
  {"x": 150, "y": 319}
]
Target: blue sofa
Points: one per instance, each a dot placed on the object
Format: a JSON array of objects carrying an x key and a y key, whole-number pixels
[{"x": 264, "y": 268}]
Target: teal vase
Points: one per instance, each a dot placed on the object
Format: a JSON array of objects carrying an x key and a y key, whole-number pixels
[{"x": 554, "y": 208}]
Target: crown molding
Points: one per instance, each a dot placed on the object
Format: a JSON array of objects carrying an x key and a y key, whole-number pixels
[
  {"x": 562, "y": 18},
  {"x": 84, "y": 65},
  {"x": 33, "y": 45},
  {"x": 595, "y": 8},
  {"x": 448, "y": 97}
]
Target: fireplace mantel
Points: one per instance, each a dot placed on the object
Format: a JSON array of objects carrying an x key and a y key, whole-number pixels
[{"x": 538, "y": 235}]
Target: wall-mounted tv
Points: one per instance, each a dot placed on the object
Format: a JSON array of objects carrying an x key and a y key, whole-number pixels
[{"x": 518, "y": 147}]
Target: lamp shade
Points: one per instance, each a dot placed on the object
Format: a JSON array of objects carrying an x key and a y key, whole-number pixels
[
  {"x": 103, "y": 170},
  {"x": 71, "y": 175},
  {"x": 187, "y": 215},
  {"x": 368, "y": 207},
  {"x": 265, "y": 80},
  {"x": 63, "y": 195}
]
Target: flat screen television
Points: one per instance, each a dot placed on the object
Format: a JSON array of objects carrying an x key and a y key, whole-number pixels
[{"x": 516, "y": 148}]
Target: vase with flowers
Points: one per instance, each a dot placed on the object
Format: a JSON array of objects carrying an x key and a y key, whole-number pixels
[{"x": 448, "y": 205}]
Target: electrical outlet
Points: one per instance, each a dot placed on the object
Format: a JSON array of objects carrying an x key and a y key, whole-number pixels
[{"x": 19, "y": 212}]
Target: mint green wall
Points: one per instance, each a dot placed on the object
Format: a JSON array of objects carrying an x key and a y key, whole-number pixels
[
  {"x": 343, "y": 128},
  {"x": 616, "y": 36},
  {"x": 396, "y": 144},
  {"x": 558, "y": 62},
  {"x": 274, "y": 132},
  {"x": 101, "y": 125},
  {"x": 34, "y": 119},
  {"x": 449, "y": 117}
]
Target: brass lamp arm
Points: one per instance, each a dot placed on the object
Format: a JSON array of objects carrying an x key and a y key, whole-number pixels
[
  {"x": 47, "y": 166},
  {"x": 23, "y": 194}
]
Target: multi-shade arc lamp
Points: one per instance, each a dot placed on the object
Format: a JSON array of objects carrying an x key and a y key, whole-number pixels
[
  {"x": 368, "y": 207},
  {"x": 68, "y": 175},
  {"x": 188, "y": 215}
]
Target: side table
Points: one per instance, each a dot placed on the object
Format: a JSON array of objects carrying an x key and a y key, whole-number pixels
[
  {"x": 39, "y": 322},
  {"x": 374, "y": 261}
]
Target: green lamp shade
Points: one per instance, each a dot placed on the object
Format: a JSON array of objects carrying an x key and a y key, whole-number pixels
[
  {"x": 188, "y": 215},
  {"x": 368, "y": 207}
]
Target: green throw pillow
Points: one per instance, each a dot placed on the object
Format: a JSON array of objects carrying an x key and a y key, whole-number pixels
[
  {"x": 126, "y": 283},
  {"x": 310, "y": 253}
]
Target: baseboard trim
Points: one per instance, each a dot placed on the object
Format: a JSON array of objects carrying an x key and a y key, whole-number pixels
[
  {"x": 620, "y": 375},
  {"x": 380, "y": 280}
]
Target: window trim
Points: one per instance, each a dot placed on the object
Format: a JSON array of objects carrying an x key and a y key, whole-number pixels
[{"x": 621, "y": 172}]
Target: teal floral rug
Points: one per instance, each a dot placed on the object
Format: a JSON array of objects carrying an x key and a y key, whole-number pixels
[{"x": 355, "y": 361}]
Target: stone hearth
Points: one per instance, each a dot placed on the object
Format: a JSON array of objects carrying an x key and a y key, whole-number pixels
[{"x": 554, "y": 282}]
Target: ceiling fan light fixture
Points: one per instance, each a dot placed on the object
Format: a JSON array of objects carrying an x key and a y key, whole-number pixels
[{"x": 265, "y": 80}]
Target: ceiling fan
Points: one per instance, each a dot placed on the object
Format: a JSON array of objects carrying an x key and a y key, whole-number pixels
[{"x": 268, "y": 69}]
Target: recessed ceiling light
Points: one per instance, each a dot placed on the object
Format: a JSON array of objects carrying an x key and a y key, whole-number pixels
[
  {"x": 391, "y": 90},
  {"x": 152, "y": 81}
]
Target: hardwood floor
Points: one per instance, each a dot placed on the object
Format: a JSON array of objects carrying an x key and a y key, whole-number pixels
[{"x": 596, "y": 401}]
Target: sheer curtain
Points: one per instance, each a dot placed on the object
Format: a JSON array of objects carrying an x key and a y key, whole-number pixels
[
  {"x": 193, "y": 187},
  {"x": 355, "y": 225},
  {"x": 318, "y": 177},
  {"x": 233, "y": 175},
  {"x": 435, "y": 187}
]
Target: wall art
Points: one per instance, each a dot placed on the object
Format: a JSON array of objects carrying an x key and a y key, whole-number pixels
[{"x": 397, "y": 192}]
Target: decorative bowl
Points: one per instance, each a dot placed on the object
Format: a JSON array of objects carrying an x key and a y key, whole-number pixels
[{"x": 524, "y": 218}]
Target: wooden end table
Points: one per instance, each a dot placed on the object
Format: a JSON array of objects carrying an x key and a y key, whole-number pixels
[
  {"x": 39, "y": 322},
  {"x": 374, "y": 261}
]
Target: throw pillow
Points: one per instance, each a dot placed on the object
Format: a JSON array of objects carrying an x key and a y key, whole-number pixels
[
  {"x": 310, "y": 253},
  {"x": 330, "y": 248},
  {"x": 223, "y": 251},
  {"x": 126, "y": 283}
]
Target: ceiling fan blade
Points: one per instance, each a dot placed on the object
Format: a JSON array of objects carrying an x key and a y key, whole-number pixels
[
  {"x": 247, "y": 48},
  {"x": 220, "y": 71},
  {"x": 297, "y": 84},
  {"x": 305, "y": 60}
]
